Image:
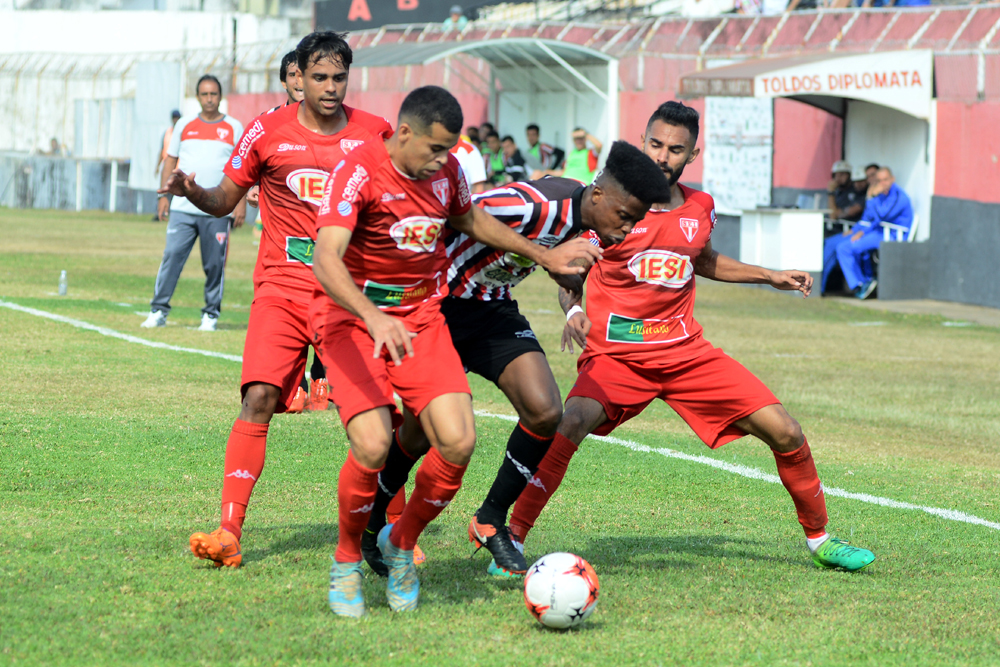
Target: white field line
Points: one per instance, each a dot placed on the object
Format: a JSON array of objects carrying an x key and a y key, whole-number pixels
[
  {"x": 753, "y": 473},
  {"x": 743, "y": 471},
  {"x": 104, "y": 331}
]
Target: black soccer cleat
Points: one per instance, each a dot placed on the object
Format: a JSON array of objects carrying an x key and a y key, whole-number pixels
[
  {"x": 508, "y": 561},
  {"x": 372, "y": 554}
]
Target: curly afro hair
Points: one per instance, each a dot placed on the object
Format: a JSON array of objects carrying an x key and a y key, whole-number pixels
[{"x": 636, "y": 174}]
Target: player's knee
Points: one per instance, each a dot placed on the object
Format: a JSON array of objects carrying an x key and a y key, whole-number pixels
[
  {"x": 370, "y": 448},
  {"x": 788, "y": 437},
  {"x": 458, "y": 448},
  {"x": 574, "y": 425},
  {"x": 543, "y": 420},
  {"x": 260, "y": 400}
]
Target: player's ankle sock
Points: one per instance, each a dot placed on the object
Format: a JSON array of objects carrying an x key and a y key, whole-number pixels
[
  {"x": 391, "y": 480},
  {"x": 244, "y": 461},
  {"x": 525, "y": 451},
  {"x": 814, "y": 542},
  {"x": 355, "y": 494},
  {"x": 304, "y": 384},
  {"x": 797, "y": 471},
  {"x": 536, "y": 494},
  {"x": 437, "y": 482},
  {"x": 316, "y": 371}
]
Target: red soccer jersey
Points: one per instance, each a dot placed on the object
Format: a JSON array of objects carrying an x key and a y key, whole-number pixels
[
  {"x": 396, "y": 254},
  {"x": 640, "y": 294},
  {"x": 292, "y": 164}
]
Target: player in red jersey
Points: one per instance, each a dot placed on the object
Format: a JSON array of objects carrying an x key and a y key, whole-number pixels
[
  {"x": 640, "y": 342},
  {"x": 288, "y": 152},
  {"x": 494, "y": 340},
  {"x": 382, "y": 263}
]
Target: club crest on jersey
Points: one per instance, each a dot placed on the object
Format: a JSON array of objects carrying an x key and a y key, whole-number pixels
[
  {"x": 442, "y": 190},
  {"x": 307, "y": 184},
  {"x": 348, "y": 145},
  {"x": 222, "y": 132},
  {"x": 690, "y": 227},
  {"x": 661, "y": 267},
  {"x": 221, "y": 237},
  {"x": 417, "y": 233}
]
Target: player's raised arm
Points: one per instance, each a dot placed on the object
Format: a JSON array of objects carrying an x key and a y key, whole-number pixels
[
  {"x": 483, "y": 227},
  {"x": 217, "y": 202}
]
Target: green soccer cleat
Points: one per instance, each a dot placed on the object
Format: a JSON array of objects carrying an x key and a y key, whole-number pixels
[
  {"x": 345, "y": 590},
  {"x": 834, "y": 553}
]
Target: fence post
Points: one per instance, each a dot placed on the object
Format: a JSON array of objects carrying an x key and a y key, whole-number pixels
[
  {"x": 79, "y": 185},
  {"x": 112, "y": 205}
]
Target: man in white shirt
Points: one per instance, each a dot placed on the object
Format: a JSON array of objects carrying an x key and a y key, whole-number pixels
[
  {"x": 201, "y": 145},
  {"x": 471, "y": 161}
]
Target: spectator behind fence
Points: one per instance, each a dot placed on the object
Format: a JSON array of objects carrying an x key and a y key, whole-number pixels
[
  {"x": 581, "y": 161},
  {"x": 201, "y": 145},
  {"x": 845, "y": 203},
  {"x": 887, "y": 203},
  {"x": 513, "y": 161},
  {"x": 493, "y": 158},
  {"x": 455, "y": 20},
  {"x": 540, "y": 156}
]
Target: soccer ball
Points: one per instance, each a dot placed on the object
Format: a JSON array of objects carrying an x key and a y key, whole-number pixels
[{"x": 561, "y": 590}]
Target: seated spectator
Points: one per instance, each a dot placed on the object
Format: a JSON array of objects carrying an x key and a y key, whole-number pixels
[
  {"x": 513, "y": 161},
  {"x": 493, "y": 157},
  {"x": 871, "y": 173},
  {"x": 540, "y": 156},
  {"x": 581, "y": 161},
  {"x": 471, "y": 161},
  {"x": 472, "y": 132},
  {"x": 860, "y": 180},
  {"x": 456, "y": 20},
  {"x": 887, "y": 203},
  {"x": 844, "y": 201}
]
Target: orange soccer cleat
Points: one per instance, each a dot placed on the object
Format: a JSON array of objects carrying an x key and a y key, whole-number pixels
[
  {"x": 319, "y": 394},
  {"x": 219, "y": 546},
  {"x": 299, "y": 401}
]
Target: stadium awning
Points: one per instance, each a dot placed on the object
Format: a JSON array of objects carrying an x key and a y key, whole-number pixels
[
  {"x": 521, "y": 64},
  {"x": 901, "y": 80}
]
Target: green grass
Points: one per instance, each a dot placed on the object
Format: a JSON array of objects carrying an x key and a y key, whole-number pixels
[{"x": 111, "y": 455}]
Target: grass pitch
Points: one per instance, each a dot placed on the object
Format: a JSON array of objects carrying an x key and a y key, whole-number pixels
[{"x": 111, "y": 455}]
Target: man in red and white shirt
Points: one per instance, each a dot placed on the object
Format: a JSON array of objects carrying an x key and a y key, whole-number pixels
[
  {"x": 289, "y": 152},
  {"x": 383, "y": 268},
  {"x": 641, "y": 342}
]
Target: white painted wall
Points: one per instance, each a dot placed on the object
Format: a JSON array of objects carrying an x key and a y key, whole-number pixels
[{"x": 874, "y": 133}]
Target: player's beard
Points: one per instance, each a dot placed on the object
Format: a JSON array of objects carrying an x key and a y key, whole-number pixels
[{"x": 672, "y": 176}]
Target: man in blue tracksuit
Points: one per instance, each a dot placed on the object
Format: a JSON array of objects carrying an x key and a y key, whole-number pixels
[{"x": 887, "y": 203}]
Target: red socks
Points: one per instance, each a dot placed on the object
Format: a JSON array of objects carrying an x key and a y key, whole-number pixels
[
  {"x": 355, "y": 496},
  {"x": 395, "y": 507},
  {"x": 541, "y": 487},
  {"x": 798, "y": 473},
  {"x": 437, "y": 482},
  {"x": 244, "y": 462}
]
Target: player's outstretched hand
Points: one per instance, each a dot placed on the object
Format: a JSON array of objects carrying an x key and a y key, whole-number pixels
[
  {"x": 792, "y": 280},
  {"x": 253, "y": 196},
  {"x": 179, "y": 184},
  {"x": 572, "y": 258},
  {"x": 390, "y": 332},
  {"x": 576, "y": 329}
]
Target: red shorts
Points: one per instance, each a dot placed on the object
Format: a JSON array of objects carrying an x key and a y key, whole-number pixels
[
  {"x": 277, "y": 344},
  {"x": 360, "y": 382},
  {"x": 709, "y": 392}
]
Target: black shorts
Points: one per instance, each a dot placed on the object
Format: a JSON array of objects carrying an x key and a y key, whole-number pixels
[{"x": 488, "y": 335}]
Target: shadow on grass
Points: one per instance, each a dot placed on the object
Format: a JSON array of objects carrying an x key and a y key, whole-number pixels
[{"x": 611, "y": 554}]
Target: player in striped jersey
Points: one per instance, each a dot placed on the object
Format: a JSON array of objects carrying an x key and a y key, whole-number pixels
[{"x": 495, "y": 341}]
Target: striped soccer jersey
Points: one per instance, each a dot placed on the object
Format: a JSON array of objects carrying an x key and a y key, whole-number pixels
[{"x": 546, "y": 212}]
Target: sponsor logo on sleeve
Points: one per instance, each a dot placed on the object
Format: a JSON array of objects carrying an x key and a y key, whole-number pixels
[
  {"x": 464, "y": 197},
  {"x": 255, "y": 132},
  {"x": 714, "y": 219},
  {"x": 223, "y": 133},
  {"x": 661, "y": 267},
  {"x": 237, "y": 162},
  {"x": 354, "y": 183},
  {"x": 324, "y": 207},
  {"x": 442, "y": 190},
  {"x": 284, "y": 148},
  {"x": 307, "y": 185},
  {"x": 348, "y": 145},
  {"x": 690, "y": 228},
  {"x": 417, "y": 233},
  {"x": 345, "y": 208}
]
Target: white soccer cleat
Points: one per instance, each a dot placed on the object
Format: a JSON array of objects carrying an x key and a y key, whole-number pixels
[
  {"x": 156, "y": 318},
  {"x": 208, "y": 323}
]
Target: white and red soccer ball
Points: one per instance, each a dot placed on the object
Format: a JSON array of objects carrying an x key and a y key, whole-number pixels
[{"x": 560, "y": 590}]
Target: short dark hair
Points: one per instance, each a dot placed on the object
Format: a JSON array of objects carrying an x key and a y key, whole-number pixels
[
  {"x": 635, "y": 173},
  {"x": 207, "y": 77},
  {"x": 872, "y": 166},
  {"x": 490, "y": 135},
  {"x": 679, "y": 114},
  {"x": 472, "y": 130},
  {"x": 578, "y": 129},
  {"x": 317, "y": 46},
  {"x": 532, "y": 126},
  {"x": 287, "y": 59},
  {"x": 489, "y": 125},
  {"x": 428, "y": 105},
  {"x": 509, "y": 138}
]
